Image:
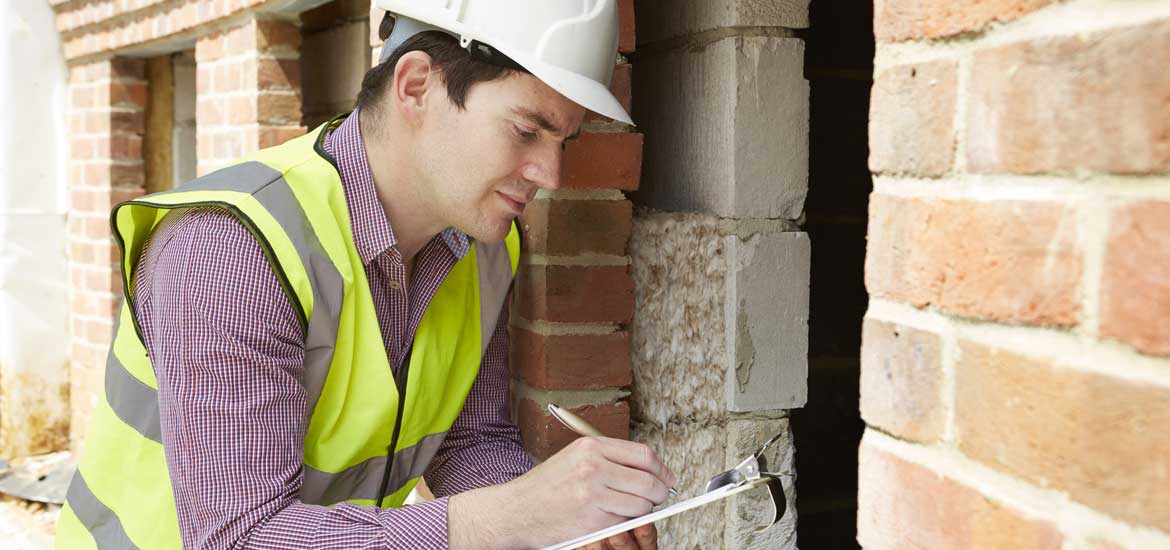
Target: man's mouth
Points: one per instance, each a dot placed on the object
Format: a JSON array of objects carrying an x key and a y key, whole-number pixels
[{"x": 516, "y": 205}]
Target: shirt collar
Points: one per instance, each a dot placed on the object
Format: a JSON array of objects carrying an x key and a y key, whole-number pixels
[{"x": 372, "y": 233}]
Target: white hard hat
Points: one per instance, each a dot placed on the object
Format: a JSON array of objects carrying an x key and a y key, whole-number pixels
[{"x": 571, "y": 45}]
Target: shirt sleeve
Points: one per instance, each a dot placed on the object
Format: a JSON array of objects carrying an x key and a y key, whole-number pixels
[
  {"x": 228, "y": 353},
  {"x": 483, "y": 446}
]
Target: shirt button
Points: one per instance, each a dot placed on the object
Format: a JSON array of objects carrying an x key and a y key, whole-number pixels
[{"x": 395, "y": 285}]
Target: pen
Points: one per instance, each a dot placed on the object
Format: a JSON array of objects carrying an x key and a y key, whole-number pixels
[{"x": 579, "y": 425}]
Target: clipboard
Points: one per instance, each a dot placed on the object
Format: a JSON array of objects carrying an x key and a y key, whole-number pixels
[{"x": 749, "y": 474}]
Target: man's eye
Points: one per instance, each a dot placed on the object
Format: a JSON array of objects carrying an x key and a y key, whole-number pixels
[{"x": 525, "y": 134}]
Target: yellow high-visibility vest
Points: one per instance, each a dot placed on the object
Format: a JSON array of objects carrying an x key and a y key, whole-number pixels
[{"x": 290, "y": 198}]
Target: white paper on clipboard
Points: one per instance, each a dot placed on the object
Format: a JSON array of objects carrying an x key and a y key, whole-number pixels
[{"x": 690, "y": 504}]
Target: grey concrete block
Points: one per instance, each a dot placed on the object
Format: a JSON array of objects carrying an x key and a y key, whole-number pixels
[
  {"x": 694, "y": 452},
  {"x": 766, "y": 320},
  {"x": 721, "y": 317},
  {"x": 752, "y": 510},
  {"x": 697, "y": 451},
  {"x": 659, "y": 20},
  {"x": 726, "y": 128}
]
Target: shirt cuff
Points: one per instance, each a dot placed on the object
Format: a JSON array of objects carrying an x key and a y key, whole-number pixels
[{"x": 422, "y": 525}]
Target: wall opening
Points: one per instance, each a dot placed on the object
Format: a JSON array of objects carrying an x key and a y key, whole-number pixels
[
  {"x": 839, "y": 68},
  {"x": 168, "y": 145},
  {"x": 335, "y": 54}
]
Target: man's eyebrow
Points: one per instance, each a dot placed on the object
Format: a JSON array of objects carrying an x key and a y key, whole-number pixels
[{"x": 542, "y": 121}]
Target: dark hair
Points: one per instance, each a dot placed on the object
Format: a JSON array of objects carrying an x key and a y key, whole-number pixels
[{"x": 458, "y": 70}]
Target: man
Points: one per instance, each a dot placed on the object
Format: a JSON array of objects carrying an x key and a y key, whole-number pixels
[{"x": 310, "y": 331}]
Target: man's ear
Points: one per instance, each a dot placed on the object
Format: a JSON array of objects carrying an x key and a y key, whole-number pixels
[{"x": 414, "y": 78}]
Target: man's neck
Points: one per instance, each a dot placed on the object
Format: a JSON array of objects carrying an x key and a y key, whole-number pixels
[{"x": 393, "y": 169}]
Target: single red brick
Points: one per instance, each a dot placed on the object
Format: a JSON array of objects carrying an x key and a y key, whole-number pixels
[
  {"x": 90, "y": 356},
  {"x": 122, "y": 146},
  {"x": 83, "y": 200},
  {"x": 901, "y": 381},
  {"x": 102, "y": 253},
  {"x": 906, "y": 505},
  {"x": 278, "y": 74},
  {"x": 1104, "y": 440},
  {"x": 1095, "y": 102},
  {"x": 626, "y": 26},
  {"x": 93, "y": 331},
  {"x": 1135, "y": 284},
  {"x": 121, "y": 121},
  {"x": 603, "y": 161},
  {"x": 128, "y": 68},
  {"x": 210, "y": 111},
  {"x": 912, "y": 115},
  {"x": 576, "y": 293},
  {"x": 210, "y": 48},
  {"x": 229, "y": 77},
  {"x": 571, "y": 361},
  {"x": 241, "y": 109},
  {"x": 125, "y": 94},
  {"x": 125, "y": 176},
  {"x": 275, "y": 34},
  {"x": 95, "y": 304},
  {"x": 278, "y": 108},
  {"x": 918, "y": 19},
  {"x": 544, "y": 435},
  {"x": 92, "y": 224},
  {"x": 570, "y": 227},
  {"x": 1009, "y": 261}
]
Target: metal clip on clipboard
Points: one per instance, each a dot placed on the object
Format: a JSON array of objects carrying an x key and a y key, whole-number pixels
[{"x": 752, "y": 470}]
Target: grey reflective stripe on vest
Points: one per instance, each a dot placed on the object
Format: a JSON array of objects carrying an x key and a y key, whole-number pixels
[
  {"x": 132, "y": 401},
  {"x": 361, "y": 481},
  {"x": 495, "y": 277},
  {"x": 101, "y": 522},
  {"x": 271, "y": 190}
]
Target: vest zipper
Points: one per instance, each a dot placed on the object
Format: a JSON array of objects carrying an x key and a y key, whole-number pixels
[{"x": 400, "y": 382}]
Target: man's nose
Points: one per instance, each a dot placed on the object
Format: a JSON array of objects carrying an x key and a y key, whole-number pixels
[{"x": 544, "y": 167}]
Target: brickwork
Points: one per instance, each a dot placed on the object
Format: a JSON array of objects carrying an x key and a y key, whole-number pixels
[
  {"x": 574, "y": 297},
  {"x": 106, "y": 104},
  {"x": 1015, "y": 364},
  {"x": 248, "y": 86}
]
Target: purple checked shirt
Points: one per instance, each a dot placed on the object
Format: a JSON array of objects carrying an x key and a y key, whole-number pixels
[{"x": 229, "y": 356}]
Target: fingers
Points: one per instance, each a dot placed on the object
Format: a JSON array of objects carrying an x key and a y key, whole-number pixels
[
  {"x": 638, "y": 456},
  {"x": 622, "y": 541},
  {"x": 624, "y": 504},
  {"x": 637, "y": 483},
  {"x": 646, "y": 537}
]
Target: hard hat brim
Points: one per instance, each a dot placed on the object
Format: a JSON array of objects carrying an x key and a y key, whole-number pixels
[{"x": 581, "y": 90}]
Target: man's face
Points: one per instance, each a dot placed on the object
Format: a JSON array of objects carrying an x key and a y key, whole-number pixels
[{"x": 478, "y": 167}]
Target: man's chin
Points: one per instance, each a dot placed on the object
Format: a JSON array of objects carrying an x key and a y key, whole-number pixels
[{"x": 493, "y": 233}]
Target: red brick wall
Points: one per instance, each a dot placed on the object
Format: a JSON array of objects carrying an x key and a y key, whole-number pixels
[
  {"x": 1016, "y": 360},
  {"x": 106, "y": 103},
  {"x": 248, "y": 89},
  {"x": 574, "y": 297}
]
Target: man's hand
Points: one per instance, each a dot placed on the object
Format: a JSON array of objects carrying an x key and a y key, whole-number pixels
[{"x": 591, "y": 484}]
